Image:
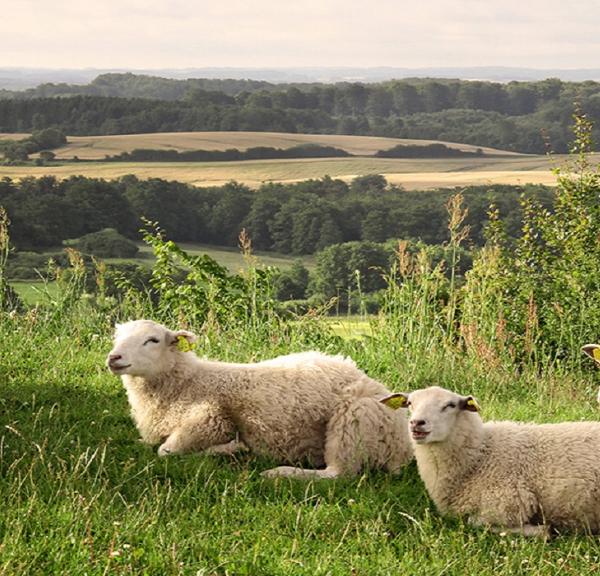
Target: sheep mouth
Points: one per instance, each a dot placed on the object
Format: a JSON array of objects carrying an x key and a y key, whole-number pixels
[
  {"x": 118, "y": 367},
  {"x": 419, "y": 434}
]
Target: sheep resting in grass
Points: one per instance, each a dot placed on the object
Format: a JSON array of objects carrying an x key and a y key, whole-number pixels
[
  {"x": 306, "y": 407},
  {"x": 509, "y": 476}
]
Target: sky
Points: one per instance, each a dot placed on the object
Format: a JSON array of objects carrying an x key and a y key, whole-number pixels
[{"x": 151, "y": 34}]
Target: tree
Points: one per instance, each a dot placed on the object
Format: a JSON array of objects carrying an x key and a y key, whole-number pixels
[
  {"x": 291, "y": 284},
  {"x": 47, "y": 155}
]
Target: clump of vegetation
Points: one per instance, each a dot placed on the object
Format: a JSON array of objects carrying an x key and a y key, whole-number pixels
[
  {"x": 106, "y": 243},
  {"x": 16, "y": 151}
]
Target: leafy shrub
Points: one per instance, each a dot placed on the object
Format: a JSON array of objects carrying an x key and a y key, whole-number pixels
[
  {"x": 25, "y": 265},
  {"x": 107, "y": 243},
  {"x": 542, "y": 288}
]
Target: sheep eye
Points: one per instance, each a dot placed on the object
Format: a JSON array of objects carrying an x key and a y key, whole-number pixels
[
  {"x": 449, "y": 405},
  {"x": 154, "y": 340}
]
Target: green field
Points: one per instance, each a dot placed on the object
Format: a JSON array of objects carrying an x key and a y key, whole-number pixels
[
  {"x": 232, "y": 258},
  {"x": 34, "y": 291}
]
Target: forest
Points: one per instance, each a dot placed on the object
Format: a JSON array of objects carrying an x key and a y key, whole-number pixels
[
  {"x": 529, "y": 117},
  {"x": 300, "y": 218}
]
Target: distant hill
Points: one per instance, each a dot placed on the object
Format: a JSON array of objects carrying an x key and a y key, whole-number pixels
[{"x": 23, "y": 78}]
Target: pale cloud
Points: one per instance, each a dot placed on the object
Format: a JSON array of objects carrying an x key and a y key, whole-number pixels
[{"x": 263, "y": 33}]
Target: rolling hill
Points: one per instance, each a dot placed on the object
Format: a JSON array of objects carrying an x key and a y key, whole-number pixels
[
  {"x": 495, "y": 167},
  {"x": 97, "y": 147}
]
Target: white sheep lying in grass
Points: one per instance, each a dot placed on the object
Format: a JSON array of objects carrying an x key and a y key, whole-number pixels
[
  {"x": 510, "y": 476},
  {"x": 302, "y": 407}
]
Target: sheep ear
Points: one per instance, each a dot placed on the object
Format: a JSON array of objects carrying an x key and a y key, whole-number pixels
[
  {"x": 469, "y": 403},
  {"x": 182, "y": 339},
  {"x": 396, "y": 400},
  {"x": 593, "y": 351}
]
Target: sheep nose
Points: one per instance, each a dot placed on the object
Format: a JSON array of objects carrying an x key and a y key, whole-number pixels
[
  {"x": 112, "y": 358},
  {"x": 417, "y": 423}
]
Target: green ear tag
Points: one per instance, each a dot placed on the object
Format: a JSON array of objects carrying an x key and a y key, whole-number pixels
[
  {"x": 183, "y": 345},
  {"x": 395, "y": 402},
  {"x": 596, "y": 354}
]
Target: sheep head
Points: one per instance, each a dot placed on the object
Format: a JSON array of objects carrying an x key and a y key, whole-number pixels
[
  {"x": 146, "y": 348},
  {"x": 434, "y": 412}
]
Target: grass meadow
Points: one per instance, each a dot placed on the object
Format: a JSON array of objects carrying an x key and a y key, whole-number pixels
[{"x": 82, "y": 495}]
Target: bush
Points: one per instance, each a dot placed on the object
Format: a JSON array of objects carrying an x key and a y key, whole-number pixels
[
  {"x": 107, "y": 243},
  {"x": 28, "y": 265}
]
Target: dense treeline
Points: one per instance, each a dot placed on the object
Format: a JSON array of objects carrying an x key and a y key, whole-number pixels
[
  {"x": 231, "y": 154},
  {"x": 428, "y": 151},
  {"x": 299, "y": 218},
  {"x": 520, "y": 116}
]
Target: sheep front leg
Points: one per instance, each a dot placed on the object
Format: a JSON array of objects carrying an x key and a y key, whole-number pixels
[
  {"x": 528, "y": 530},
  {"x": 301, "y": 473},
  {"x": 203, "y": 429},
  {"x": 228, "y": 449}
]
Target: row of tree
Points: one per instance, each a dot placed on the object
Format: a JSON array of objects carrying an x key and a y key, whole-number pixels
[
  {"x": 532, "y": 118},
  {"x": 299, "y": 218},
  {"x": 400, "y": 97},
  {"x": 231, "y": 154}
]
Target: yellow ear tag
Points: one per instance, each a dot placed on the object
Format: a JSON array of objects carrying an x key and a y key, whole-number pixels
[
  {"x": 183, "y": 345},
  {"x": 395, "y": 402},
  {"x": 596, "y": 354},
  {"x": 473, "y": 404}
]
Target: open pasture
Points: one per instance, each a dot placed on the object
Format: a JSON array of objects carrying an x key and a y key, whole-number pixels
[{"x": 83, "y": 496}]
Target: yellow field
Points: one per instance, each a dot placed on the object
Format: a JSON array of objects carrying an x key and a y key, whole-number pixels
[
  {"x": 13, "y": 136},
  {"x": 97, "y": 147},
  {"x": 412, "y": 174}
]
